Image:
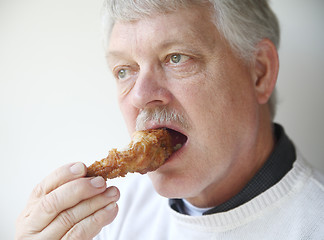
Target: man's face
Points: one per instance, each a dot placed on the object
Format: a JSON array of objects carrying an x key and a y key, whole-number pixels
[{"x": 180, "y": 61}]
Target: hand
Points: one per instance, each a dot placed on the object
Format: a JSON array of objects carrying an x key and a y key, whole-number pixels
[{"x": 66, "y": 205}]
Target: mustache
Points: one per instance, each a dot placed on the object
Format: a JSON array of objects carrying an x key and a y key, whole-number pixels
[{"x": 161, "y": 115}]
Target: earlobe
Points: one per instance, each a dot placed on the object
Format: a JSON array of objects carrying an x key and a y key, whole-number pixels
[{"x": 265, "y": 69}]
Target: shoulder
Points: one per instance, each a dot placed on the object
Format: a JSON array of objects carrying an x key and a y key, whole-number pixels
[
  {"x": 315, "y": 178},
  {"x": 318, "y": 179},
  {"x": 308, "y": 203}
]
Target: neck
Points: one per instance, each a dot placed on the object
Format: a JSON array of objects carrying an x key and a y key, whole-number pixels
[{"x": 242, "y": 171}]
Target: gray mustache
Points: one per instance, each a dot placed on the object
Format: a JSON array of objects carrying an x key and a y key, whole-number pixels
[{"x": 161, "y": 115}]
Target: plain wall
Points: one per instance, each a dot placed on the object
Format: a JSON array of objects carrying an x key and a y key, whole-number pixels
[{"x": 58, "y": 101}]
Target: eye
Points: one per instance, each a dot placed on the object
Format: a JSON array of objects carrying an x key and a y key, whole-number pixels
[
  {"x": 122, "y": 74},
  {"x": 178, "y": 58}
]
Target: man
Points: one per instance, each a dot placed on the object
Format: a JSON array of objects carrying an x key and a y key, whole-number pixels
[{"x": 207, "y": 70}]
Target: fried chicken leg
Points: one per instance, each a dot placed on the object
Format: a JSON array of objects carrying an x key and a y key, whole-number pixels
[{"x": 147, "y": 151}]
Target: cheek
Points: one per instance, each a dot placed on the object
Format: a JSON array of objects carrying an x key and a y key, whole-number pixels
[
  {"x": 129, "y": 114},
  {"x": 223, "y": 110}
]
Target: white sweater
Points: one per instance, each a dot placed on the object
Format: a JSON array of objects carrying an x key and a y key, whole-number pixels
[{"x": 291, "y": 209}]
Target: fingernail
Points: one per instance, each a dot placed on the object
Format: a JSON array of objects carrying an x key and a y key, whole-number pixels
[
  {"x": 111, "y": 206},
  {"x": 77, "y": 169},
  {"x": 111, "y": 192},
  {"x": 98, "y": 182}
]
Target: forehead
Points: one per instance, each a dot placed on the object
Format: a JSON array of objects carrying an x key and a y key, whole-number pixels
[{"x": 190, "y": 26}]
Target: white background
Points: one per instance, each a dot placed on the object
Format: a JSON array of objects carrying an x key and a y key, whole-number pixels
[{"x": 58, "y": 102}]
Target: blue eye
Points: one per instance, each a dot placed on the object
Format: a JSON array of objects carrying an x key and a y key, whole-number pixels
[
  {"x": 122, "y": 73},
  {"x": 178, "y": 58}
]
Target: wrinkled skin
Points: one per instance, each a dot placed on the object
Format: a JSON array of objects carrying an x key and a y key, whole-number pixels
[
  {"x": 181, "y": 61},
  {"x": 65, "y": 205}
]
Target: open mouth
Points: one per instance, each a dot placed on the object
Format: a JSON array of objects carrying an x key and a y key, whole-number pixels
[{"x": 178, "y": 139}]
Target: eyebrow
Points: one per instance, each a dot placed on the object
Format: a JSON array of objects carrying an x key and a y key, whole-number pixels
[
  {"x": 115, "y": 55},
  {"x": 169, "y": 43},
  {"x": 165, "y": 45}
]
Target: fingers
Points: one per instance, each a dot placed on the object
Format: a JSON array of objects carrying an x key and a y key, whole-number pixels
[
  {"x": 91, "y": 226},
  {"x": 65, "y": 204},
  {"x": 86, "y": 218},
  {"x": 57, "y": 178},
  {"x": 62, "y": 198}
]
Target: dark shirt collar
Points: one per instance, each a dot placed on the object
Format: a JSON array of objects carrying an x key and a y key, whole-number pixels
[{"x": 275, "y": 168}]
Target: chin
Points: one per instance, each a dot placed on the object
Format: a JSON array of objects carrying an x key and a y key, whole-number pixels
[{"x": 172, "y": 185}]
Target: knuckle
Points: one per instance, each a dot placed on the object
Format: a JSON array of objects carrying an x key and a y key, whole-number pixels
[
  {"x": 104, "y": 216},
  {"x": 38, "y": 191},
  {"x": 78, "y": 232},
  {"x": 67, "y": 219},
  {"x": 79, "y": 187},
  {"x": 57, "y": 174},
  {"x": 21, "y": 220},
  {"x": 97, "y": 219},
  {"x": 89, "y": 205},
  {"x": 49, "y": 203}
]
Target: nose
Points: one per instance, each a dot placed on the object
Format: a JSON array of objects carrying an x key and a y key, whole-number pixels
[{"x": 150, "y": 89}]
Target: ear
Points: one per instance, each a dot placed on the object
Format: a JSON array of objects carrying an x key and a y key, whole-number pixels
[{"x": 265, "y": 70}]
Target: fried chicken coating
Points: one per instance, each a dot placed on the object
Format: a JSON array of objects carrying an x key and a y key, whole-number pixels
[{"x": 147, "y": 151}]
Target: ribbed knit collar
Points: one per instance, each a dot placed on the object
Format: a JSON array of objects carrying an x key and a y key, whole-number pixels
[
  {"x": 260, "y": 206},
  {"x": 275, "y": 168}
]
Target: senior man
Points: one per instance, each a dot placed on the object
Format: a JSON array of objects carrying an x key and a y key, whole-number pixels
[{"x": 207, "y": 70}]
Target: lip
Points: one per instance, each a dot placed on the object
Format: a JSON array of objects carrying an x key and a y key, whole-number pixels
[
  {"x": 177, "y": 153},
  {"x": 170, "y": 125}
]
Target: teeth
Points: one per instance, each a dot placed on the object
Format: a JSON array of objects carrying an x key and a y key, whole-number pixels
[{"x": 177, "y": 147}]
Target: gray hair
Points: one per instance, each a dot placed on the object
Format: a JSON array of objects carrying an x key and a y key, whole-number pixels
[
  {"x": 161, "y": 115},
  {"x": 243, "y": 23}
]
